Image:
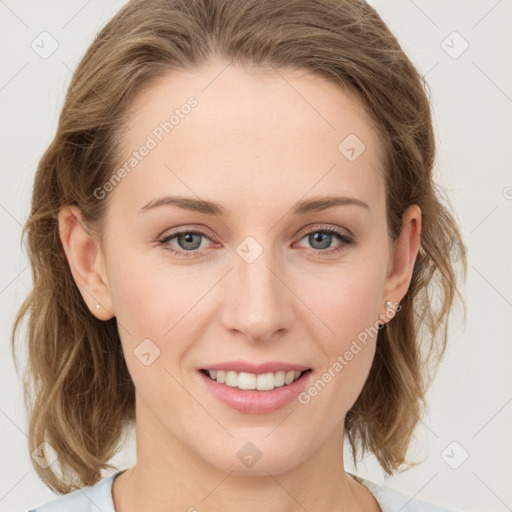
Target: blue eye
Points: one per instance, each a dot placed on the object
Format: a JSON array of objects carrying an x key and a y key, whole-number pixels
[
  {"x": 324, "y": 237},
  {"x": 189, "y": 241}
]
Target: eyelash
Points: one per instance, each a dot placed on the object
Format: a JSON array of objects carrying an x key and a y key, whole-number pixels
[{"x": 346, "y": 240}]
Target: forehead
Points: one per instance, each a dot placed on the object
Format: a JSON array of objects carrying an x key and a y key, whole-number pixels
[{"x": 227, "y": 130}]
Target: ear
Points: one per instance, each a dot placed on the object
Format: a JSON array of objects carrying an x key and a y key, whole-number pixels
[
  {"x": 403, "y": 257},
  {"x": 86, "y": 261}
]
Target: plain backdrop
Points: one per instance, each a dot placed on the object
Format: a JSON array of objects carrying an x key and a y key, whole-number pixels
[{"x": 464, "y": 50}]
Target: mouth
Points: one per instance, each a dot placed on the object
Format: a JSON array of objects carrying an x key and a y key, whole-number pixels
[{"x": 252, "y": 381}]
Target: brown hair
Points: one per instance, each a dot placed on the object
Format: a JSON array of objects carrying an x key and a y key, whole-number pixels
[{"x": 78, "y": 390}]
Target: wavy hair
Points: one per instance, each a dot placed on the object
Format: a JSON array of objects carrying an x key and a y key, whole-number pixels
[{"x": 77, "y": 388}]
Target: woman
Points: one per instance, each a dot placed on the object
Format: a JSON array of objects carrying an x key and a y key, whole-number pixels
[{"x": 235, "y": 238}]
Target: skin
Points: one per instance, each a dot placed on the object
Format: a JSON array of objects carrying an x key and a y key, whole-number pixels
[{"x": 256, "y": 145}]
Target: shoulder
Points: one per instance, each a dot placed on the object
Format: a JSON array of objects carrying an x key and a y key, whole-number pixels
[
  {"x": 395, "y": 501},
  {"x": 91, "y": 498}
]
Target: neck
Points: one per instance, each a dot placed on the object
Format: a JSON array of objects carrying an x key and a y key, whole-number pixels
[{"x": 170, "y": 476}]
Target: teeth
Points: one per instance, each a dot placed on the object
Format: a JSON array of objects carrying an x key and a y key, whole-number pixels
[
  {"x": 265, "y": 382},
  {"x": 279, "y": 379},
  {"x": 246, "y": 380},
  {"x": 262, "y": 382}
]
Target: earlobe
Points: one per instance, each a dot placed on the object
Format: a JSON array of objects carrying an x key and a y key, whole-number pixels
[
  {"x": 86, "y": 262},
  {"x": 404, "y": 255}
]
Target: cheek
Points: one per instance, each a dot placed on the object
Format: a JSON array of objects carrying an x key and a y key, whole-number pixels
[
  {"x": 348, "y": 303},
  {"x": 156, "y": 302},
  {"x": 142, "y": 313},
  {"x": 149, "y": 297},
  {"x": 346, "y": 300}
]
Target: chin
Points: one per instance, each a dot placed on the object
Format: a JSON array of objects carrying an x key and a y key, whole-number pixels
[{"x": 259, "y": 457}]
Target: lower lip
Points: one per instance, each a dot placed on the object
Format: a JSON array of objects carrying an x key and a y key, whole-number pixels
[{"x": 253, "y": 401}]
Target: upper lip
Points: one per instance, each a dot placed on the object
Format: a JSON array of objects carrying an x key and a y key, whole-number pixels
[{"x": 258, "y": 369}]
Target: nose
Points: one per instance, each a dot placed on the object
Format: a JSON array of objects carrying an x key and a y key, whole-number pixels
[{"x": 259, "y": 301}]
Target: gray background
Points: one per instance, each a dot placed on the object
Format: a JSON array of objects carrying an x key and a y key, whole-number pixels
[{"x": 470, "y": 402}]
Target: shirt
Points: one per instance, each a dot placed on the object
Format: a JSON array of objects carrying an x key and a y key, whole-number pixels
[{"x": 99, "y": 497}]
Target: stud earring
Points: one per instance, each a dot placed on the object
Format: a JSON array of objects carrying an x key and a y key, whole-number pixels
[
  {"x": 389, "y": 305},
  {"x": 98, "y": 306}
]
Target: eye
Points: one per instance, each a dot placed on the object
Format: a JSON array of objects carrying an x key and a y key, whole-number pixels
[
  {"x": 321, "y": 240},
  {"x": 188, "y": 242}
]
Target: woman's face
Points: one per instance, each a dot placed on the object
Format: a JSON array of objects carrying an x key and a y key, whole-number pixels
[{"x": 288, "y": 271}]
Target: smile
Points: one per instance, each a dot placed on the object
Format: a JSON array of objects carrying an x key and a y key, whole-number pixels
[{"x": 247, "y": 381}]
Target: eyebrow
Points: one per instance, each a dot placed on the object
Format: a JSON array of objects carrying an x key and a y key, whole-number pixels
[{"x": 212, "y": 208}]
